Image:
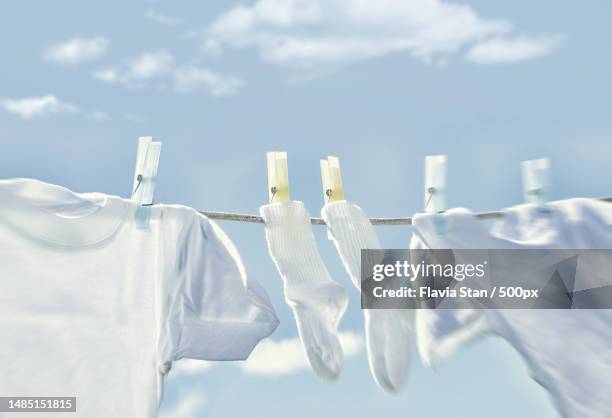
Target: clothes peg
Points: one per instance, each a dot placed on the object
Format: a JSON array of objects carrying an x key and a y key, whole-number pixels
[
  {"x": 536, "y": 181},
  {"x": 435, "y": 188},
  {"x": 278, "y": 177},
  {"x": 145, "y": 176},
  {"x": 332, "y": 183},
  {"x": 326, "y": 182},
  {"x": 332, "y": 180}
]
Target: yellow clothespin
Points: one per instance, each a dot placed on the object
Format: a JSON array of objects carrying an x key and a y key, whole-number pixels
[
  {"x": 278, "y": 177},
  {"x": 332, "y": 183},
  {"x": 332, "y": 180}
]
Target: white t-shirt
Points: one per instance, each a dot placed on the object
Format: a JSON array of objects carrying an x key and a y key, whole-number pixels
[
  {"x": 93, "y": 307},
  {"x": 569, "y": 352}
]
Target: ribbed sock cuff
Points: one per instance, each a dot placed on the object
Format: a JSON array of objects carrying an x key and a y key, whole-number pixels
[
  {"x": 352, "y": 231},
  {"x": 292, "y": 245}
]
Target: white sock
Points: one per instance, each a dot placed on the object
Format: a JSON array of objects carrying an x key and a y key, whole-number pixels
[
  {"x": 318, "y": 303},
  {"x": 389, "y": 332}
]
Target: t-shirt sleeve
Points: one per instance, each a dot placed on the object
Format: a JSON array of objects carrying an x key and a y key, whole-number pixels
[{"x": 214, "y": 311}]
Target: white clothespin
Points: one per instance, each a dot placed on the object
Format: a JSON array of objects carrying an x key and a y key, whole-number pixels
[
  {"x": 435, "y": 188},
  {"x": 332, "y": 180},
  {"x": 145, "y": 176},
  {"x": 536, "y": 181},
  {"x": 278, "y": 177}
]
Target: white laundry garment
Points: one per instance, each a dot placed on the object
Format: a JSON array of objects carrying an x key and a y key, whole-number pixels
[
  {"x": 569, "y": 352},
  {"x": 94, "y": 308},
  {"x": 318, "y": 302},
  {"x": 388, "y": 331}
]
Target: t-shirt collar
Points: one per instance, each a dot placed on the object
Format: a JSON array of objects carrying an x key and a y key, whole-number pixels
[{"x": 57, "y": 215}]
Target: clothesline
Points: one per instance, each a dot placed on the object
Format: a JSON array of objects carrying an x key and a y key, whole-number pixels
[{"x": 226, "y": 216}]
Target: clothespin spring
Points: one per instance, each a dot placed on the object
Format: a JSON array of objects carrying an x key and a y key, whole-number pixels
[{"x": 430, "y": 192}]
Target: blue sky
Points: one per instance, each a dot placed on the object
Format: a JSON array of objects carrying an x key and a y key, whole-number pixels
[{"x": 380, "y": 84}]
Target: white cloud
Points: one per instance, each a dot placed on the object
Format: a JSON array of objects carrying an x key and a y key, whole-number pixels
[
  {"x": 283, "y": 357},
  {"x": 109, "y": 75},
  {"x": 271, "y": 358},
  {"x": 161, "y": 18},
  {"x": 33, "y": 107},
  {"x": 276, "y": 358},
  {"x": 306, "y": 33},
  {"x": 150, "y": 65},
  {"x": 351, "y": 342},
  {"x": 189, "y": 367},
  {"x": 506, "y": 50},
  {"x": 144, "y": 67},
  {"x": 160, "y": 68},
  {"x": 133, "y": 117},
  {"x": 190, "y": 404},
  {"x": 192, "y": 78},
  {"x": 77, "y": 50}
]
